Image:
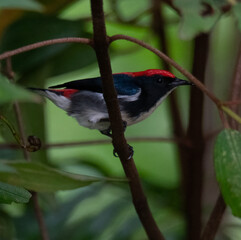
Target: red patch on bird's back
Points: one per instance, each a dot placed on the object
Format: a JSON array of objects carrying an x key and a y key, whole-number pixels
[
  {"x": 151, "y": 72},
  {"x": 65, "y": 92}
]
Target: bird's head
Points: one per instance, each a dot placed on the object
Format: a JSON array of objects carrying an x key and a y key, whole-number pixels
[{"x": 158, "y": 81}]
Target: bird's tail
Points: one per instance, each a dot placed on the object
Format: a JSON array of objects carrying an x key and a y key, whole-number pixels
[
  {"x": 56, "y": 97},
  {"x": 39, "y": 91}
]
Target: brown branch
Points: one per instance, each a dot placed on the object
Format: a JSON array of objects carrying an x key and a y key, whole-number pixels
[
  {"x": 100, "y": 142},
  {"x": 194, "y": 155},
  {"x": 235, "y": 93},
  {"x": 44, "y": 44},
  {"x": 42, "y": 227},
  {"x": 39, "y": 216},
  {"x": 101, "y": 45},
  {"x": 214, "y": 220},
  {"x": 158, "y": 26},
  {"x": 160, "y": 54}
]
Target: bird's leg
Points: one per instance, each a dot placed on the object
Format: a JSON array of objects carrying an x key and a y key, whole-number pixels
[
  {"x": 124, "y": 125},
  {"x": 107, "y": 132},
  {"x": 129, "y": 146},
  {"x": 131, "y": 151}
]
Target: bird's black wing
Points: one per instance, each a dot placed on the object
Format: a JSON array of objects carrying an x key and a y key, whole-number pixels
[
  {"x": 90, "y": 84},
  {"x": 124, "y": 85}
]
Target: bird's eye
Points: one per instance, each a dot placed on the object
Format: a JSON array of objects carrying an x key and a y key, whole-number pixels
[{"x": 159, "y": 80}]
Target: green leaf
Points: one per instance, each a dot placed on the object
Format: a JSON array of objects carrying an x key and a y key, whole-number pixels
[
  {"x": 5, "y": 168},
  {"x": 9, "y": 194},
  {"x": 10, "y": 92},
  {"x": 227, "y": 158},
  {"x": 192, "y": 22},
  {"x": 40, "y": 178},
  {"x": 21, "y": 4}
]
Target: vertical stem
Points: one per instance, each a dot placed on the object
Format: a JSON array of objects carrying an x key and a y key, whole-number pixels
[
  {"x": 101, "y": 44},
  {"x": 214, "y": 220},
  {"x": 38, "y": 213},
  {"x": 194, "y": 177},
  {"x": 235, "y": 93},
  {"x": 178, "y": 129}
]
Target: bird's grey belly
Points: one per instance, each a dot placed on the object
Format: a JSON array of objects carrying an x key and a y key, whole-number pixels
[{"x": 90, "y": 110}]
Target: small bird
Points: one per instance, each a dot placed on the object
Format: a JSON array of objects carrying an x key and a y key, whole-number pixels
[{"x": 138, "y": 93}]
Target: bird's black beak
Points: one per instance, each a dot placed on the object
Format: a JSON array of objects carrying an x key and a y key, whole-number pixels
[{"x": 178, "y": 82}]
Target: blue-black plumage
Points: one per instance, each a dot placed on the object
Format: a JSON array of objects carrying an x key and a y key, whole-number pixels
[{"x": 139, "y": 94}]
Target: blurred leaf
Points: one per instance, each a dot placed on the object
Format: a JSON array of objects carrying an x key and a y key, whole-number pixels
[
  {"x": 9, "y": 194},
  {"x": 237, "y": 13},
  {"x": 41, "y": 178},
  {"x": 5, "y": 168},
  {"x": 10, "y": 92},
  {"x": 21, "y": 4},
  {"x": 227, "y": 157},
  {"x": 74, "y": 57},
  {"x": 192, "y": 21},
  {"x": 35, "y": 28}
]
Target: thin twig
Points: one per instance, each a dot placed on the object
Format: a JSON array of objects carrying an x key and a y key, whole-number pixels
[
  {"x": 13, "y": 131},
  {"x": 39, "y": 217},
  {"x": 101, "y": 142},
  {"x": 214, "y": 220},
  {"x": 44, "y": 44},
  {"x": 101, "y": 45}
]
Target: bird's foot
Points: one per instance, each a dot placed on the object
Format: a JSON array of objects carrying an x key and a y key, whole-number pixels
[
  {"x": 124, "y": 125},
  {"x": 107, "y": 132},
  {"x": 131, "y": 152}
]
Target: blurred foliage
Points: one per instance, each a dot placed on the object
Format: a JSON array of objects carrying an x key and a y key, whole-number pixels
[{"x": 101, "y": 210}]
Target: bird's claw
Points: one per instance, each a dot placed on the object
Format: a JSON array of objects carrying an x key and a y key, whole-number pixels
[{"x": 131, "y": 152}]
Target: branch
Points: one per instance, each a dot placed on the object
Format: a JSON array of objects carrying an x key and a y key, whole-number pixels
[
  {"x": 100, "y": 142},
  {"x": 214, "y": 220},
  {"x": 195, "y": 155},
  {"x": 44, "y": 44},
  {"x": 235, "y": 93},
  {"x": 101, "y": 45}
]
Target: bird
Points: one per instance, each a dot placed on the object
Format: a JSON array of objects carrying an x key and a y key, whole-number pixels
[{"x": 138, "y": 93}]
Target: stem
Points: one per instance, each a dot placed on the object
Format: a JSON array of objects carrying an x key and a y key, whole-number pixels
[
  {"x": 232, "y": 114},
  {"x": 104, "y": 141},
  {"x": 194, "y": 155},
  {"x": 39, "y": 217},
  {"x": 12, "y": 129},
  {"x": 120, "y": 145},
  {"x": 158, "y": 26},
  {"x": 235, "y": 93},
  {"x": 44, "y": 44},
  {"x": 215, "y": 219}
]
